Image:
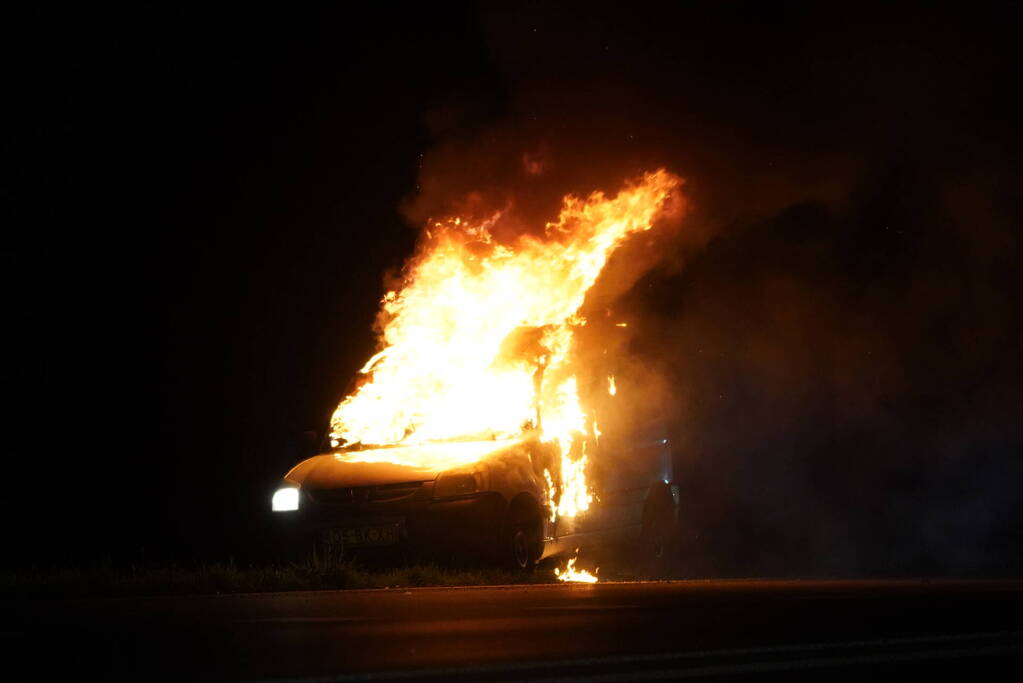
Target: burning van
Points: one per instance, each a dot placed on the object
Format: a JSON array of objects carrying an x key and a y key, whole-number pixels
[
  {"x": 477, "y": 425},
  {"x": 485, "y": 500}
]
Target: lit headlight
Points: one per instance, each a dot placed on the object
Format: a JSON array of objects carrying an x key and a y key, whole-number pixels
[{"x": 285, "y": 499}]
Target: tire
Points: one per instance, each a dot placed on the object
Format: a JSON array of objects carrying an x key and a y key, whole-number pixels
[
  {"x": 519, "y": 549},
  {"x": 658, "y": 527},
  {"x": 520, "y": 543}
]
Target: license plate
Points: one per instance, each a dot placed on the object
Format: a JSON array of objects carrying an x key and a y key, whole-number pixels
[{"x": 373, "y": 535}]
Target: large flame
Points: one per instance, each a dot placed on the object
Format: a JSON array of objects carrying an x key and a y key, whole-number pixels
[{"x": 478, "y": 340}]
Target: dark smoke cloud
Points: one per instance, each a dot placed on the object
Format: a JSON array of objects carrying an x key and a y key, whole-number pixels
[{"x": 837, "y": 320}]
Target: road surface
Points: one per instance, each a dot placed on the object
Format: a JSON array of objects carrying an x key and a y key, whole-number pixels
[{"x": 603, "y": 632}]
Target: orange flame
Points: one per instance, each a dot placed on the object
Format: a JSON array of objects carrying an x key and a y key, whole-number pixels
[
  {"x": 478, "y": 340},
  {"x": 570, "y": 573}
]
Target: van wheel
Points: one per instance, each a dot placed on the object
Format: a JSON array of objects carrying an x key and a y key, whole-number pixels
[
  {"x": 521, "y": 541},
  {"x": 519, "y": 551},
  {"x": 658, "y": 527}
]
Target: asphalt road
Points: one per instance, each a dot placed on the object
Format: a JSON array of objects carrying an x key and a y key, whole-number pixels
[{"x": 603, "y": 632}]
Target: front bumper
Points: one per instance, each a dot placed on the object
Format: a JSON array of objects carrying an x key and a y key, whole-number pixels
[{"x": 469, "y": 526}]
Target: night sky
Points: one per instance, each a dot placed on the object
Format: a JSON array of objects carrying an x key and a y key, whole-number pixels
[{"x": 204, "y": 207}]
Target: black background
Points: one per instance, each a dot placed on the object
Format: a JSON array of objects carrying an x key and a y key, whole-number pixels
[{"x": 203, "y": 205}]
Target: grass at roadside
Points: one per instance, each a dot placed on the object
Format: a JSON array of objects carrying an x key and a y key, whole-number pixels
[
  {"x": 311, "y": 573},
  {"x": 229, "y": 577}
]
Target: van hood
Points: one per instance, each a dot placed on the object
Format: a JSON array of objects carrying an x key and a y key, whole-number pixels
[
  {"x": 383, "y": 466},
  {"x": 327, "y": 472}
]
